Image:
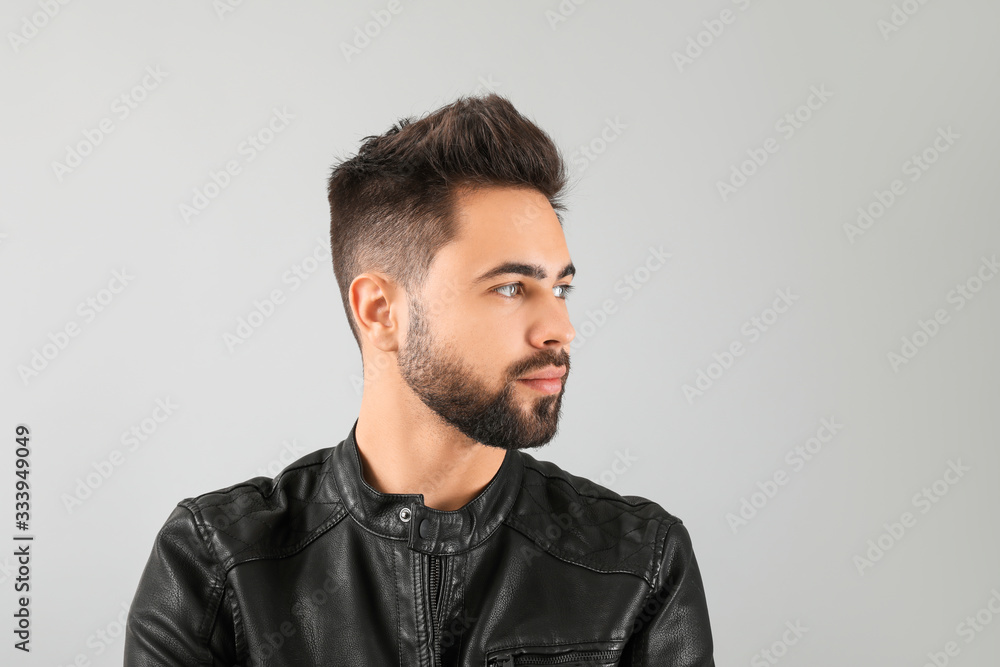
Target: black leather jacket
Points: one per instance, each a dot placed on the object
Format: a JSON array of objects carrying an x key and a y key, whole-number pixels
[{"x": 316, "y": 567}]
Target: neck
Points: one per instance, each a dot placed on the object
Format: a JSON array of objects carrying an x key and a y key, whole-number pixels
[{"x": 407, "y": 448}]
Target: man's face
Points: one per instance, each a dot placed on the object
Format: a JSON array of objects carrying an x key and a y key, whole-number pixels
[{"x": 470, "y": 339}]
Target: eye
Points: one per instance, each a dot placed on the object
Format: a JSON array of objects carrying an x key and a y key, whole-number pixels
[
  {"x": 566, "y": 289},
  {"x": 503, "y": 287}
]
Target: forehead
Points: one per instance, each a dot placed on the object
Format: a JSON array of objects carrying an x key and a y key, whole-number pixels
[{"x": 501, "y": 224}]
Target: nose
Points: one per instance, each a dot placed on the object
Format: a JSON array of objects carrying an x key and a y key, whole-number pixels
[{"x": 553, "y": 327}]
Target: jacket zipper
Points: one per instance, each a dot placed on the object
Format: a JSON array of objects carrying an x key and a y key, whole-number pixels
[
  {"x": 507, "y": 659},
  {"x": 435, "y": 594}
]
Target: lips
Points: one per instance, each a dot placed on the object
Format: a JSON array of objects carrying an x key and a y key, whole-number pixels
[{"x": 549, "y": 373}]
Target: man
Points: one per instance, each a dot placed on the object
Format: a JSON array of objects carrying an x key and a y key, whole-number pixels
[{"x": 429, "y": 536}]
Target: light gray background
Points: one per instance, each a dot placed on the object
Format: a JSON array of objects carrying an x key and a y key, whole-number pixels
[{"x": 293, "y": 385}]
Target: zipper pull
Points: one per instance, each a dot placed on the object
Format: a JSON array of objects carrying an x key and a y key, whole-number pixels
[{"x": 504, "y": 660}]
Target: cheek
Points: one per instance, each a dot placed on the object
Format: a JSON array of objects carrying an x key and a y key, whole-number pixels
[
  {"x": 474, "y": 322},
  {"x": 487, "y": 336},
  {"x": 490, "y": 346}
]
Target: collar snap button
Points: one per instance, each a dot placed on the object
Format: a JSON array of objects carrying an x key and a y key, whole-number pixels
[
  {"x": 425, "y": 529},
  {"x": 404, "y": 514}
]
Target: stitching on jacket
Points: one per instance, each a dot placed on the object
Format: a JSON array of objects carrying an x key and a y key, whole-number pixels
[
  {"x": 569, "y": 483},
  {"x": 643, "y": 643},
  {"x": 662, "y": 550},
  {"x": 447, "y": 568},
  {"x": 218, "y": 585},
  {"x": 418, "y": 596},
  {"x": 242, "y": 648},
  {"x": 522, "y": 526},
  {"x": 465, "y": 609},
  {"x": 253, "y": 486},
  {"x": 645, "y": 503},
  {"x": 572, "y": 643},
  {"x": 249, "y": 515},
  {"x": 225, "y": 492},
  {"x": 657, "y": 566},
  {"x": 395, "y": 595},
  {"x": 543, "y": 510},
  {"x": 567, "y": 559},
  {"x": 564, "y": 555},
  {"x": 311, "y": 536}
]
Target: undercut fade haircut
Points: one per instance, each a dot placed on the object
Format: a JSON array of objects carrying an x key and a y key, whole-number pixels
[{"x": 393, "y": 205}]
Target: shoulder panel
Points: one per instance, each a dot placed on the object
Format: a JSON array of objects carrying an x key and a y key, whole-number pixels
[
  {"x": 583, "y": 522},
  {"x": 270, "y": 518}
]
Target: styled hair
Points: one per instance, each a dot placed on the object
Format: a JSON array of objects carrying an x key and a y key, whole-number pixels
[{"x": 392, "y": 206}]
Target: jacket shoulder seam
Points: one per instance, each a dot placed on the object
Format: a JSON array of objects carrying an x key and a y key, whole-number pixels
[
  {"x": 335, "y": 518},
  {"x": 337, "y": 513},
  {"x": 251, "y": 486},
  {"x": 556, "y": 553},
  {"x": 233, "y": 494},
  {"x": 621, "y": 500},
  {"x": 661, "y": 549},
  {"x": 218, "y": 583}
]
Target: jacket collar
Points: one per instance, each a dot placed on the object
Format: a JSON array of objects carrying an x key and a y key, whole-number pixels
[{"x": 403, "y": 516}]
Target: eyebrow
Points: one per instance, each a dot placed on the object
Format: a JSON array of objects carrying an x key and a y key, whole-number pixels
[{"x": 531, "y": 270}]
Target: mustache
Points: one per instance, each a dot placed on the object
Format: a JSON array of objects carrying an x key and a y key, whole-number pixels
[{"x": 553, "y": 359}]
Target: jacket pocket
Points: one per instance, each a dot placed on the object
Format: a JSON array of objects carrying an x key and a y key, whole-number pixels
[{"x": 591, "y": 654}]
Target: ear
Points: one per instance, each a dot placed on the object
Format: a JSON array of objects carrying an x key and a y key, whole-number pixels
[{"x": 377, "y": 304}]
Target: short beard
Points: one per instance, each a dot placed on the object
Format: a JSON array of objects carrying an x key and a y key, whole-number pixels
[{"x": 451, "y": 390}]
